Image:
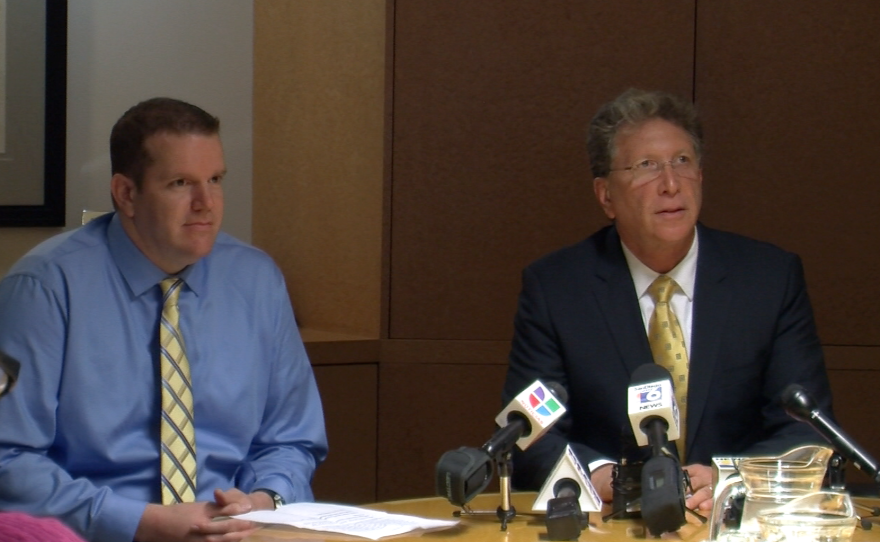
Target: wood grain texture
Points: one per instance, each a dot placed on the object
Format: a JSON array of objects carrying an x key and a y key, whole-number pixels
[
  {"x": 491, "y": 104},
  {"x": 319, "y": 93},
  {"x": 788, "y": 93}
]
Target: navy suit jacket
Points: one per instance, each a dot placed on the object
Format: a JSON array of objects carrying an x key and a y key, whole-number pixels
[{"x": 579, "y": 323}]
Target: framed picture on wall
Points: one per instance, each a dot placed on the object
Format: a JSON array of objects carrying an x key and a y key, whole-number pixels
[{"x": 33, "y": 95}]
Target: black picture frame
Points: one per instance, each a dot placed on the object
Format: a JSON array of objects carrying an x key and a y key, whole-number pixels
[{"x": 52, "y": 210}]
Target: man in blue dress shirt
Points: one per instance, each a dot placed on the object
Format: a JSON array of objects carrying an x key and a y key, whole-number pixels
[{"x": 79, "y": 435}]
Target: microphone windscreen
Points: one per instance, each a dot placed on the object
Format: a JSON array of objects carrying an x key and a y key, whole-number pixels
[
  {"x": 797, "y": 402},
  {"x": 649, "y": 373},
  {"x": 558, "y": 391},
  {"x": 566, "y": 487},
  {"x": 463, "y": 474}
]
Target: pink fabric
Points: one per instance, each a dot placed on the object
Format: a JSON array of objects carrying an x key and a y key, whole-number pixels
[{"x": 18, "y": 527}]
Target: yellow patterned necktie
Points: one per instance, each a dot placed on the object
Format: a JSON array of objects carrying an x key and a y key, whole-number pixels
[
  {"x": 178, "y": 447},
  {"x": 668, "y": 347}
]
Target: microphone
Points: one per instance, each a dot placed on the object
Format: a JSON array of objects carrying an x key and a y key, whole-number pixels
[
  {"x": 464, "y": 473},
  {"x": 565, "y": 496},
  {"x": 626, "y": 481},
  {"x": 564, "y": 519},
  {"x": 802, "y": 407},
  {"x": 653, "y": 412},
  {"x": 568, "y": 479},
  {"x": 9, "y": 368},
  {"x": 654, "y": 417},
  {"x": 525, "y": 419},
  {"x": 663, "y": 498}
]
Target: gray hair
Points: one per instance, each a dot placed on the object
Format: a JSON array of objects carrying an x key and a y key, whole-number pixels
[{"x": 631, "y": 109}]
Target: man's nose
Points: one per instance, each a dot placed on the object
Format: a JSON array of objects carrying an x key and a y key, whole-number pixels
[
  {"x": 203, "y": 196},
  {"x": 669, "y": 180}
]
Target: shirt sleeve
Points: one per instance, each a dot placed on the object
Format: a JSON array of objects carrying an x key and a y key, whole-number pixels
[
  {"x": 291, "y": 441},
  {"x": 33, "y": 330}
]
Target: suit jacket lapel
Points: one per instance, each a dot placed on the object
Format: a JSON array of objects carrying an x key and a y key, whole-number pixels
[
  {"x": 711, "y": 306},
  {"x": 616, "y": 297}
]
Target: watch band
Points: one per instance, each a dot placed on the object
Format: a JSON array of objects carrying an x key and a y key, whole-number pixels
[{"x": 276, "y": 498}]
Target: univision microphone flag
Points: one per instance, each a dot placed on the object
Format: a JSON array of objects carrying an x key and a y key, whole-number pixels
[{"x": 538, "y": 405}]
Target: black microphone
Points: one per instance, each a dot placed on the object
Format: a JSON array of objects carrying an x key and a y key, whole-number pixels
[
  {"x": 654, "y": 415},
  {"x": 9, "y": 368},
  {"x": 800, "y": 406},
  {"x": 567, "y": 487},
  {"x": 564, "y": 518},
  {"x": 464, "y": 473},
  {"x": 527, "y": 417},
  {"x": 663, "y": 497}
]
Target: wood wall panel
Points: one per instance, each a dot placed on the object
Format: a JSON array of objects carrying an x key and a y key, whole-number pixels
[
  {"x": 852, "y": 390},
  {"x": 489, "y": 165},
  {"x": 788, "y": 91},
  {"x": 350, "y": 397},
  {"x": 486, "y": 170},
  {"x": 319, "y": 122},
  {"x": 426, "y": 409},
  {"x": 855, "y": 379}
]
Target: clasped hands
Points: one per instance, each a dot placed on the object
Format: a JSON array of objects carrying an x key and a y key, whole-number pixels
[{"x": 203, "y": 521}]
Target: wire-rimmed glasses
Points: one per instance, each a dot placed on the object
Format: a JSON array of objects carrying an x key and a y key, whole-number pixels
[{"x": 647, "y": 169}]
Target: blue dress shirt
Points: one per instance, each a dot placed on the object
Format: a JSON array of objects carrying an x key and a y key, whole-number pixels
[{"x": 79, "y": 435}]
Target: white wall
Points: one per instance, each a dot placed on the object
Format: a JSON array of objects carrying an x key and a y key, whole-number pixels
[{"x": 123, "y": 51}]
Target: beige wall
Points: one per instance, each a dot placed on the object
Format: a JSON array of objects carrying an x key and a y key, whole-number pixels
[
  {"x": 15, "y": 242},
  {"x": 119, "y": 53}
]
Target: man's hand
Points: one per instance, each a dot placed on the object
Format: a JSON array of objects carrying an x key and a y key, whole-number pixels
[
  {"x": 601, "y": 480},
  {"x": 203, "y": 521},
  {"x": 234, "y": 501},
  {"x": 701, "y": 481}
]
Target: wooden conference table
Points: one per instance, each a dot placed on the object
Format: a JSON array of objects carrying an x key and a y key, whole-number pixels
[{"x": 522, "y": 528}]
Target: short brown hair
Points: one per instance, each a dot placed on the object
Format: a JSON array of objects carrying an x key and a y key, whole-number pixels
[
  {"x": 128, "y": 154},
  {"x": 632, "y": 108}
]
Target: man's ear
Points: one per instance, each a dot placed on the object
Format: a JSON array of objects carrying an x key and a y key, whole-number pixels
[
  {"x": 603, "y": 195},
  {"x": 123, "y": 191}
]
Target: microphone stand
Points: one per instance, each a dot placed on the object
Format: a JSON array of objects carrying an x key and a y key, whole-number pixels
[
  {"x": 836, "y": 482},
  {"x": 506, "y": 510}
]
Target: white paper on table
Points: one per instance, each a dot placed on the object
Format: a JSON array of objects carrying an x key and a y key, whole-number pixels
[{"x": 350, "y": 520}]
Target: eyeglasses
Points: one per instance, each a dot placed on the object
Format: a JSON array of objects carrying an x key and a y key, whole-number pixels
[{"x": 647, "y": 170}]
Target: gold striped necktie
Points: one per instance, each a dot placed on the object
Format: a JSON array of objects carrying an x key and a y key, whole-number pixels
[
  {"x": 668, "y": 348},
  {"x": 178, "y": 453}
]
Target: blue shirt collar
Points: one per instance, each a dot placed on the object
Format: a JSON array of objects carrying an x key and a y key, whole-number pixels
[{"x": 138, "y": 271}]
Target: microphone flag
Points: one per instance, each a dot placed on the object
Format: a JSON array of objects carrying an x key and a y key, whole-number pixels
[
  {"x": 539, "y": 406},
  {"x": 653, "y": 399},
  {"x": 568, "y": 468}
]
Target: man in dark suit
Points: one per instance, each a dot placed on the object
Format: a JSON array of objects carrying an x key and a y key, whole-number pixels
[{"x": 584, "y": 311}]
